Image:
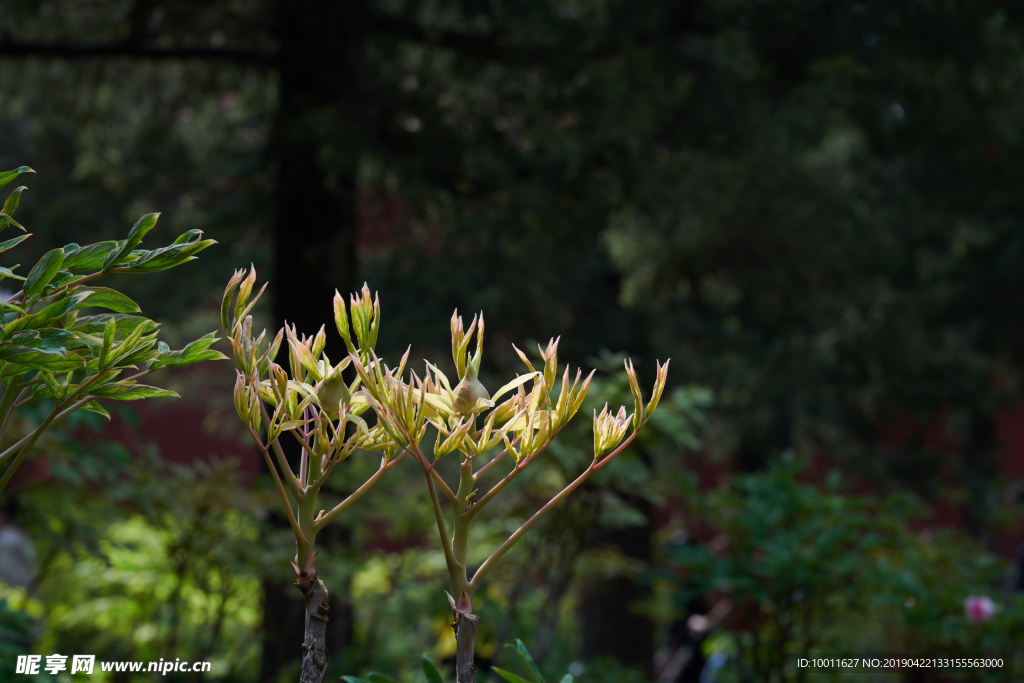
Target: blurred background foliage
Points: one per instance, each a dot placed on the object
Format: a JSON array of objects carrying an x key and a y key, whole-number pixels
[{"x": 812, "y": 207}]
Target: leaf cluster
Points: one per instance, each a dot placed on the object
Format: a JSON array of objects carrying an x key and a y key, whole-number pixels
[{"x": 52, "y": 344}]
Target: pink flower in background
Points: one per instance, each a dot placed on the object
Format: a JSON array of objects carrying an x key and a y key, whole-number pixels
[{"x": 979, "y": 608}]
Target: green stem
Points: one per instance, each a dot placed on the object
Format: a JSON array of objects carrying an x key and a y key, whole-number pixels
[
  {"x": 307, "y": 508},
  {"x": 527, "y": 525},
  {"x": 460, "y": 530},
  {"x": 27, "y": 444},
  {"x": 67, "y": 411},
  {"x": 494, "y": 461},
  {"x": 452, "y": 498},
  {"x": 59, "y": 416},
  {"x": 334, "y": 456},
  {"x": 19, "y": 401}
]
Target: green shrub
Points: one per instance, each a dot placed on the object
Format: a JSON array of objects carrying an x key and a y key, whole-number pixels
[{"x": 809, "y": 569}]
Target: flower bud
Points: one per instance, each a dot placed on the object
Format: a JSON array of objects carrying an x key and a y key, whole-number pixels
[
  {"x": 365, "y": 318},
  {"x": 331, "y": 392},
  {"x": 550, "y": 356},
  {"x": 467, "y": 393}
]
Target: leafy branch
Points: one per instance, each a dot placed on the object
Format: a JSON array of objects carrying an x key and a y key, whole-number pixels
[{"x": 50, "y": 350}]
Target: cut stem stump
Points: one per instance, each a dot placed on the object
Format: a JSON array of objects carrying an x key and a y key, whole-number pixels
[
  {"x": 465, "y": 639},
  {"x": 314, "y": 644}
]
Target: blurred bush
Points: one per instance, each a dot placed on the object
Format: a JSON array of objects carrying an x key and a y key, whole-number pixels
[{"x": 808, "y": 568}]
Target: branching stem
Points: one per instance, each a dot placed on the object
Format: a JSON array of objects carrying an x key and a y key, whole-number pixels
[
  {"x": 489, "y": 563},
  {"x": 519, "y": 467}
]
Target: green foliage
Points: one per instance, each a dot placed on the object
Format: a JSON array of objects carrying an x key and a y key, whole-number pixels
[
  {"x": 797, "y": 556},
  {"x": 371, "y": 677},
  {"x": 50, "y": 349},
  {"x": 139, "y": 559},
  {"x": 430, "y": 671}
]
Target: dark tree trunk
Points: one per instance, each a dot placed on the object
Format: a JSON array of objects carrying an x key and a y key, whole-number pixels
[
  {"x": 315, "y": 225},
  {"x": 320, "y": 45},
  {"x": 609, "y": 625}
]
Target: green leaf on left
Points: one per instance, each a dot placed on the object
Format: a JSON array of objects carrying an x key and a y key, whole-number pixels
[
  {"x": 39, "y": 360},
  {"x": 13, "y": 242},
  {"x": 11, "y": 205},
  {"x": 43, "y": 272},
  {"x": 528, "y": 662},
  {"x": 5, "y": 220},
  {"x": 119, "y": 391},
  {"x": 87, "y": 257},
  {"x": 138, "y": 231},
  {"x": 111, "y": 299},
  {"x": 8, "y": 176}
]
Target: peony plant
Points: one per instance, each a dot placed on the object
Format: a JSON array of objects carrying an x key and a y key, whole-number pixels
[{"x": 324, "y": 412}]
